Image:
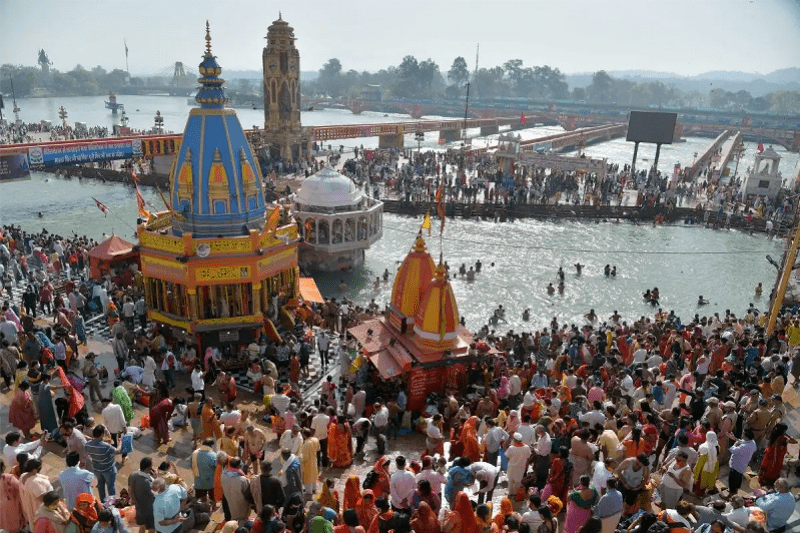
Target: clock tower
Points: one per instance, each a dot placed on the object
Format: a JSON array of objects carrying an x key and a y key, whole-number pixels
[{"x": 281, "y": 63}]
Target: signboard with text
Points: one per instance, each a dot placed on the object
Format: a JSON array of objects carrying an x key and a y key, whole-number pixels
[
  {"x": 14, "y": 166},
  {"x": 74, "y": 153}
]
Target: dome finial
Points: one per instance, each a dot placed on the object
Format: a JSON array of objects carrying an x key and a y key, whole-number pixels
[
  {"x": 208, "y": 39},
  {"x": 280, "y": 17}
]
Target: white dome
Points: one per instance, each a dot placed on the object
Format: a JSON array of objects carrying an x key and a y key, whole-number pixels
[{"x": 328, "y": 188}]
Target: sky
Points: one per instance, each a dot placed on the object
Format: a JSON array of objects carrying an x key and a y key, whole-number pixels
[{"x": 686, "y": 37}]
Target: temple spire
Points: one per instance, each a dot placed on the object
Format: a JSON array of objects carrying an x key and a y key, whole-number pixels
[{"x": 208, "y": 39}]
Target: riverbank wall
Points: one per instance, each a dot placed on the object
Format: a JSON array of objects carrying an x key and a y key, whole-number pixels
[{"x": 689, "y": 215}]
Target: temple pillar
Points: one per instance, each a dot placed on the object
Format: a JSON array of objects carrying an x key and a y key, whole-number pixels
[
  {"x": 192, "y": 292},
  {"x": 256, "y": 298}
]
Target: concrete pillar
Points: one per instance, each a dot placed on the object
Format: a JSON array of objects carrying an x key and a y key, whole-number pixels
[
  {"x": 390, "y": 140},
  {"x": 450, "y": 135},
  {"x": 489, "y": 130}
]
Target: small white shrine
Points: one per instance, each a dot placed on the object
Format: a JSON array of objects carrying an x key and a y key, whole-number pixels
[
  {"x": 764, "y": 179},
  {"x": 337, "y": 220}
]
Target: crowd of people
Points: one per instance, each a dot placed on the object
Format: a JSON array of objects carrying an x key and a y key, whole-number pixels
[{"x": 609, "y": 426}]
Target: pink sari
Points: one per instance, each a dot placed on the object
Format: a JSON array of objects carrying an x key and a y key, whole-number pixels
[
  {"x": 21, "y": 414},
  {"x": 12, "y": 517}
]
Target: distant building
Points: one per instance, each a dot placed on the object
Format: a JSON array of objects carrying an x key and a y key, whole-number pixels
[{"x": 371, "y": 93}]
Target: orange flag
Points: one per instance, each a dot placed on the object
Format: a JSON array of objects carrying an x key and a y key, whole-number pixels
[{"x": 274, "y": 218}]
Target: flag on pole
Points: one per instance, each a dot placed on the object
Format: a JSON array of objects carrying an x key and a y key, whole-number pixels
[
  {"x": 760, "y": 147},
  {"x": 126, "y": 48},
  {"x": 440, "y": 204},
  {"x": 274, "y": 218},
  {"x": 144, "y": 214},
  {"x": 163, "y": 199},
  {"x": 426, "y": 223},
  {"x": 102, "y": 207},
  {"x": 134, "y": 177},
  {"x": 523, "y": 119}
]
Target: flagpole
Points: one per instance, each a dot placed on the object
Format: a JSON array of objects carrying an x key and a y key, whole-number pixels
[{"x": 127, "y": 69}]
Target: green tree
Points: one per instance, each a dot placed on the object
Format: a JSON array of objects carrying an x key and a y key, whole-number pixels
[
  {"x": 329, "y": 81},
  {"x": 428, "y": 73},
  {"x": 458, "y": 74},
  {"x": 601, "y": 87},
  {"x": 408, "y": 75},
  {"x": 26, "y": 79},
  {"x": 578, "y": 93}
]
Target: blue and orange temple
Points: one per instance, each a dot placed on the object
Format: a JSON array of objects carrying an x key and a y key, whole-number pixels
[{"x": 211, "y": 262}]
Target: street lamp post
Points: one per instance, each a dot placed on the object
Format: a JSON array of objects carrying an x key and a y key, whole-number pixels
[
  {"x": 62, "y": 114},
  {"x": 159, "y": 120},
  {"x": 420, "y": 136}
]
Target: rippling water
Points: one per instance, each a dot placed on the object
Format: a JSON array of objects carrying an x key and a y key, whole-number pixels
[
  {"x": 682, "y": 261},
  {"x": 723, "y": 266}
]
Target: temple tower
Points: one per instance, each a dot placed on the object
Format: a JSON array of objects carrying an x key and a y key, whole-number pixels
[{"x": 281, "y": 64}]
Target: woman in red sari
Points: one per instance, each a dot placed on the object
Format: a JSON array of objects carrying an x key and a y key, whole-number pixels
[
  {"x": 352, "y": 492},
  {"x": 21, "y": 414},
  {"x": 772, "y": 464},
  {"x": 424, "y": 520},
  {"x": 462, "y": 519},
  {"x": 159, "y": 420},
  {"x": 381, "y": 485},
  {"x": 340, "y": 444},
  {"x": 560, "y": 472},
  {"x": 469, "y": 437}
]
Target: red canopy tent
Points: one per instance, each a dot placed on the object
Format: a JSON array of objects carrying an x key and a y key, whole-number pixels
[{"x": 110, "y": 251}]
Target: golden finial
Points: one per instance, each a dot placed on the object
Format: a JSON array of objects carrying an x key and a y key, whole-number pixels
[{"x": 208, "y": 39}]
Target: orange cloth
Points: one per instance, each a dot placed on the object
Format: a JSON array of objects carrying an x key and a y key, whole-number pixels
[
  {"x": 352, "y": 492},
  {"x": 469, "y": 437},
  {"x": 462, "y": 519},
  {"x": 340, "y": 445},
  {"x": 424, "y": 520},
  {"x": 506, "y": 509},
  {"x": 210, "y": 423},
  {"x": 366, "y": 511}
]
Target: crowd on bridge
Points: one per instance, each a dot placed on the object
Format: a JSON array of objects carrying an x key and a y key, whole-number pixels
[{"x": 638, "y": 425}]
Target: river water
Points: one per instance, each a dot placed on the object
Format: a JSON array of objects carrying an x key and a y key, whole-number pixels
[{"x": 682, "y": 261}]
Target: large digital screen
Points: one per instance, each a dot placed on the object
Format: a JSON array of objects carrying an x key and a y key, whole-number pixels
[{"x": 651, "y": 127}]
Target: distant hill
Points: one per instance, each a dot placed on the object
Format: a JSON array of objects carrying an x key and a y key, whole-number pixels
[{"x": 754, "y": 83}]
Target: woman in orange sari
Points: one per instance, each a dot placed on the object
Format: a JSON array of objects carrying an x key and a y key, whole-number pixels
[
  {"x": 381, "y": 485},
  {"x": 21, "y": 413},
  {"x": 462, "y": 519},
  {"x": 365, "y": 509},
  {"x": 424, "y": 520},
  {"x": 506, "y": 510},
  {"x": 352, "y": 492},
  {"x": 469, "y": 437},
  {"x": 340, "y": 444}
]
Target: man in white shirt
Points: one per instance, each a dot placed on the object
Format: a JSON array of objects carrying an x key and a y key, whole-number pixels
[
  {"x": 526, "y": 430},
  {"x": 381, "y": 418},
  {"x": 292, "y": 440},
  {"x": 319, "y": 425},
  {"x": 495, "y": 437},
  {"x": 323, "y": 343},
  {"x": 436, "y": 479},
  {"x": 639, "y": 356},
  {"x": 595, "y": 416},
  {"x": 401, "y": 486},
  {"x": 532, "y": 516},
  {"x": 198, "y": 380},
  {"x": 115, "y": 422},
  {"x": 541, "y": 455},
  {"x": 486, "y": 475},
  {"x": 13, "y": 447}
]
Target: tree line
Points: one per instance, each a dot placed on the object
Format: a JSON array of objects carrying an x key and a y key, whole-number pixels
[
  {"x": 423, "y": 79},
  {"x": 413, "y": 78}
]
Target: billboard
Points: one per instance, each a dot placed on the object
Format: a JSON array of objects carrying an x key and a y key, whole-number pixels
[
  {"x": 651, "y": 127},
  {"x": 14, "y": 166},
  {"x": 73, "y": 153}
]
